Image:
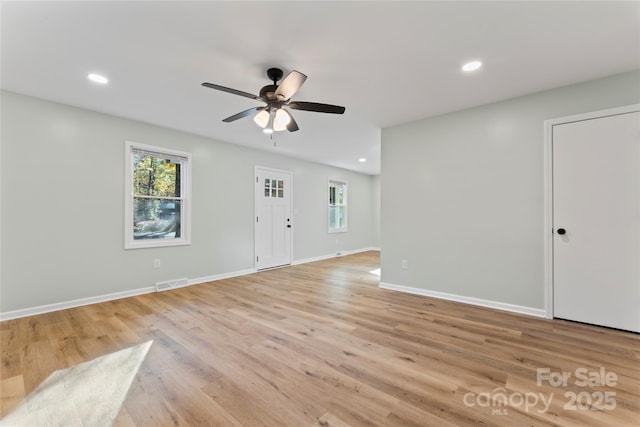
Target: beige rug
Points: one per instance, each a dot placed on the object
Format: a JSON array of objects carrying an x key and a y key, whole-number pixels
[{"x": 88, "y": 394}]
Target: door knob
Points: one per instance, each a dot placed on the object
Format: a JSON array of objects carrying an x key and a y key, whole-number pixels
[{"x": 562, "y": 231}]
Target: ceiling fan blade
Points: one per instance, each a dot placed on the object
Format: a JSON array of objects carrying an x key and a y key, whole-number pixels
[
  {"x": 290, "y": 85},
  {"x": 233, "y": 91},
  {"x": 317, "y": 107},
  {"x": 292, "y": 126},
  {"x": 242, "y": 114}
]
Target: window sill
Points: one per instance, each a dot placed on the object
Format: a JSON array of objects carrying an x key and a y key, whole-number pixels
[
  {"x": 337, "y": 230},
  {"x": 151, "y": 243}
]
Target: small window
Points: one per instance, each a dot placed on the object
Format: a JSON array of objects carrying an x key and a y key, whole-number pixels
[
  {"x": 157, "y": 203},
  {"x": 273, "y": 188},
  {"x": 337, "y": 206}
]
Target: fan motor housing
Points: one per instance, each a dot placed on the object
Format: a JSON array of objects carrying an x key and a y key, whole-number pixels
[{"x": 268, "y": 92}]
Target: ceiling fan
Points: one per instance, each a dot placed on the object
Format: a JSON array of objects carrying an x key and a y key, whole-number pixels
[{"x": 274, "y": 116}]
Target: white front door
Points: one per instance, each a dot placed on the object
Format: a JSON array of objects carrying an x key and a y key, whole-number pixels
[
  {"x": 273, "y": 218},
  {"x": 596, "y": 221}
]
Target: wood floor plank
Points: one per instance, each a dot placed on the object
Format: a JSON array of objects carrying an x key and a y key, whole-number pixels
[
  {"x": 320, "y": 344},
  {"x": 39, "y": 361},
  {"x": 123, "y": 419},
  {"x": 11, "y": 394}
]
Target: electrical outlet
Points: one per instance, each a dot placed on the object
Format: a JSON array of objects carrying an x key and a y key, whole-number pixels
[
  {"x": 405, "y": 264},
  {"x": 156, "y": 263}
]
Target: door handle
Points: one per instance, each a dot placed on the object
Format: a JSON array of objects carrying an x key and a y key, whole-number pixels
[
  {"x": 288, "y": 225},
  {"x": 562, "y": 231}
]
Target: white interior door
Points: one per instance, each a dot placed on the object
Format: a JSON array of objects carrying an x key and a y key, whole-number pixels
[
  {"x": 273, "y": 218},
  {"x": 596, "y": 221}
]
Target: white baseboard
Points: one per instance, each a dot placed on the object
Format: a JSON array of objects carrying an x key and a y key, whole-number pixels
[
  {"x": 215, "y": 277},
  {"x": 313, "y": 259},
  {"x": 32, "y": 311},
  {"x": 337, "y": 254},
  {"x": 537, "y": 312}
]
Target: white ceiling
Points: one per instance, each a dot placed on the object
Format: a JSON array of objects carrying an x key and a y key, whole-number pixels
[{"x": 386, "y": 62}]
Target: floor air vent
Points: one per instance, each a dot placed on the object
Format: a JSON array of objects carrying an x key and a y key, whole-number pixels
[{"x": 171, "y": 284}]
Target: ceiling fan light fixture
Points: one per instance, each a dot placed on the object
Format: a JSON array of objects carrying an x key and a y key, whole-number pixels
[
  {"x": 281, "y": 120},
  {"x": 267, "y": 130},
  {"x": 272, "y": 116},
  {"x": 262, "y": 119}
]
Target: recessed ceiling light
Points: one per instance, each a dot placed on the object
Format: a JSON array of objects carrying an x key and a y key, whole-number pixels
[
  {"x": 362, "y": 160},
  {"x": 97, "y": 78},
  {"x": 471, "y": 66}
]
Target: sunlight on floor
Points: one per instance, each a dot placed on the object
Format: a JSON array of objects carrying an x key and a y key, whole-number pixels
[
  {"x": 88, "y": 394},
  {"x": 376, "y": 272}
]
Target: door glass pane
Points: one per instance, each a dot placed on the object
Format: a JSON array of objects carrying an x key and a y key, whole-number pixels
[
  {"x": 273, "y": 192},
  {"x": 280, "y": 184},
  {"x": 281, "y": 194},
  {"x": 266, "y": 192}
]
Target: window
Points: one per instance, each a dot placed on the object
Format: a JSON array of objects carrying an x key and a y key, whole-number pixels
[
  {"x": 337, "y": 206},
  {"x": 158, "y": 198},
  {"x": 273, "y": 188}
]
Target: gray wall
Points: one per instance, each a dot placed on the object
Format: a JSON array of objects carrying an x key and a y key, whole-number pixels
[
  {"x": 375, "y": 188},
  {"x": 62, "y": 204},
  {"x": 463, "y": 193}
]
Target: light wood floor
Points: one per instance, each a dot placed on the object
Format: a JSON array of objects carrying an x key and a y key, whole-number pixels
[{"x": 321, "y": 344}]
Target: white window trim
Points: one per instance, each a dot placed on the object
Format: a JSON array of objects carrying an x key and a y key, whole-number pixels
[
  {"x": 345, "y": 204},
  {"x": 185, "y": 235}
]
